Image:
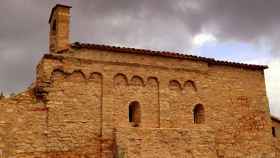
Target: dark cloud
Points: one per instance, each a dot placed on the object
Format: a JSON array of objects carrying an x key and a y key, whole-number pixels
[
  {"x": 244, "y": 20},
  {"x": 154, "y": 24}
]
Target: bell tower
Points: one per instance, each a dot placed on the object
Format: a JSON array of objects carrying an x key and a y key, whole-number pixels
[{"x": 59, "y": 28}]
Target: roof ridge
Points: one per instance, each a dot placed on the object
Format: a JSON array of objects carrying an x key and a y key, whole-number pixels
[{"x": 166, "y": 54}]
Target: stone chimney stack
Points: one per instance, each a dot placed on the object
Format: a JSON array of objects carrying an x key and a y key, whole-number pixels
[{"x": 59, "y": 28}]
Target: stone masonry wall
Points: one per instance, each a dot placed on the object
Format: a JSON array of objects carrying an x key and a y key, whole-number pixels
[
  {"x": 79, "y": 105},
  {"x": 196, "y": 142},
  {"x": 74, "y": 99},
  {"x": 234, "y": 99},
  {"x": 242, "y": 121},
  {"x": 276, "y": 138},
  {"x": 276, "y": 125},
  {"x": 22, "y": 126},
  {"x": 137, "y": 89}
]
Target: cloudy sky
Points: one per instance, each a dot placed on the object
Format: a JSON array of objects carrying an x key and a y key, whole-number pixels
[{"x": 237, "y": 30}]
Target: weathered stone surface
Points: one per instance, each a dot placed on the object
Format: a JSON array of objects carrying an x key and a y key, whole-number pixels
[
  {"x": 198, "y": 141},
  {"x": 78, "y": 107}
]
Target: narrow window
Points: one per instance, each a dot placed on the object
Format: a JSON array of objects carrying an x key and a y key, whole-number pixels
[
  {"x": 131, "y": 111},
  {"x": 134, "y": 114},
  {"x": 54, "y": 26},
  {"x": 198, "y": 114},
  {"x": 273, "y": 132}
]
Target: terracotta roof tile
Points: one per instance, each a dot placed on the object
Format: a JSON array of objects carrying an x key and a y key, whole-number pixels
[
  {"x": 275, "y": 118},
  {"x": 166, "y": 54}
]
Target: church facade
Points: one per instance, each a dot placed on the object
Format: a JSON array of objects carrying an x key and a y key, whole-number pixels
[{"x": 99, "y": 101}]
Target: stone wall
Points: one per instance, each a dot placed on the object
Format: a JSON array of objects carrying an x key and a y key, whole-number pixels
[
  {"x": 276, "y": 137},
  {"x": 276, "y": 127},
  {"x": 79, "y": 105},
  {"x": 136, "y": 88},
  {"x": 234, "y": 99},
  {"x": 22, "y": 126},
  {"x": 196, "y": 142},
  {"x": 74, "y": 100},
  {"x": 239, "y": 112}
]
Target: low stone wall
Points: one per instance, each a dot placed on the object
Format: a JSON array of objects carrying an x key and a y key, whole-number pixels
[
  {"x": 276, "y": 146},
  {"x": 196, "y": 142}
]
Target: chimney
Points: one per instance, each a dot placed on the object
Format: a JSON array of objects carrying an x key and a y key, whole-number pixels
[{"x": 59, "y": 28}]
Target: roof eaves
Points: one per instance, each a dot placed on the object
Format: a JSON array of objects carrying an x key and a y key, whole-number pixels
[
  {"x": 166, "y": 54},
  {"x": 275, "y": 118}
]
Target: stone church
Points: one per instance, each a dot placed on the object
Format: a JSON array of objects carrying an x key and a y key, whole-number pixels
[{"x": 100, "y": 101}]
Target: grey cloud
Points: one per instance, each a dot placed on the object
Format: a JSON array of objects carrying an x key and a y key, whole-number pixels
[
  {"x": 154, "y": 24},
  {"x": 252, "y": 21}
]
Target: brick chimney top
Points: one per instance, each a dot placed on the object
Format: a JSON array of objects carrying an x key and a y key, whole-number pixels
[
  {"x": 55, "y": 7},
  {"x": 59, "y": 22}
]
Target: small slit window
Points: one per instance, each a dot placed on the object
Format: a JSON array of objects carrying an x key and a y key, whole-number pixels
[
  {"x": 54, "y": 27},
  {"x": 198, "y": 114},
  {"x": 273, "y": 132},
  {"x": 134, "y": 114}
]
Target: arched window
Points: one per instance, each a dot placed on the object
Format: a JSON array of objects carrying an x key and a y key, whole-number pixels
[
  {"x": 198, "y": 114},
  {"x": 134, "y": 114}
]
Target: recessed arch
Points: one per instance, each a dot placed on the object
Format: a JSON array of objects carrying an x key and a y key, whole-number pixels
[
  {"x": 76, "y": 75},
  {"x": 190, "y": 86},
  {"x": 120, "y": 80},
  {"x": 134, "y": 114},
  {"x": 175, "y": 85},
  {"x": 96, "y": 77},
  {"x": 58, "y": 74},
  {"x": 152, "y": 82},
  {"x": 198, "y": 114},
  {"x": 137, "y": 81}
]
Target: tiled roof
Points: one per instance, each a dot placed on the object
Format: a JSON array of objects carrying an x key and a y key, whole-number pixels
[
  {"x": 275, "y": 118},
  {"x": 166, "y": 54}
]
